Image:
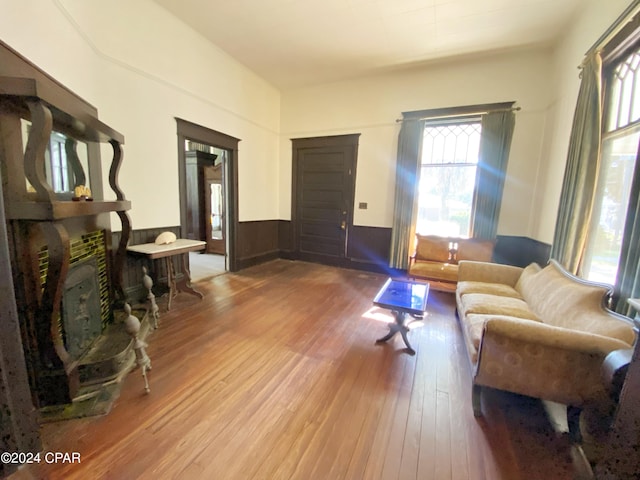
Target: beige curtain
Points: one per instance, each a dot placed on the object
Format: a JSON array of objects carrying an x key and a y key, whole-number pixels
[
  {"x": 581, "y": 171},
  {"x": 495, "y": 143},
  {"x": 406, "y": 193}
]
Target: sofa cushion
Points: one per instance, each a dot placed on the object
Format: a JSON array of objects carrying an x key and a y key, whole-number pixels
[
  {"x": 447, "y": 272},
  {"x": 483, "y": 303},
  {"x": 473, "y": 249},
  {"x": 433, "y": 248},
  {"x": 527, "y": 277},
  {"x": 500, "y": 289}
]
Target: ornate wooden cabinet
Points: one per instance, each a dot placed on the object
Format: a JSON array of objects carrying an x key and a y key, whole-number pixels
[{"x": 51, "y": 227}]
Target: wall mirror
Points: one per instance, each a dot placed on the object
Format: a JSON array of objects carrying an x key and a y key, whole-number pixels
[{"x": 66, "y": 162}]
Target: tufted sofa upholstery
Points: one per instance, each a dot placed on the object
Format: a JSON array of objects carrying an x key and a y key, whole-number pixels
[{"x": 539, "y": 332}]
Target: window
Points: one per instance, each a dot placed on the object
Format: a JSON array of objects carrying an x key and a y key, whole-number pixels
[
  {"x": 447, "y": 177},
  {"x": 60, "y": 175},
  {"x": 620, "y": 138}
]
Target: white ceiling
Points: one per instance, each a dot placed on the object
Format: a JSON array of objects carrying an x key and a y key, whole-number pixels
[{"x": 292, "y": 43}]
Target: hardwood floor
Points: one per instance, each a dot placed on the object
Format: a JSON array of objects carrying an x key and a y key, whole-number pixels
[{"x": 275, "y": 374}]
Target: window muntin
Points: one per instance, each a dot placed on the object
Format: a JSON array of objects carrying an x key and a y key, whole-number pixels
[
  {"x": 624, "y": 93},
  {"x": 447, "y": 178}
]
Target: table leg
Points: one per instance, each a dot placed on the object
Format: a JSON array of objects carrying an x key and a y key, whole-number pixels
[
  {"x": 401, "y": 327},
  {"x": 185, "y": 284},
  {"x": 171, "y": 280}
]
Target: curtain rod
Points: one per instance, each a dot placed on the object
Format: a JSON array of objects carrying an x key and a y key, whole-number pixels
[
  {"x": 455, "y": 115},
  {"x": 625, "y": 17}
]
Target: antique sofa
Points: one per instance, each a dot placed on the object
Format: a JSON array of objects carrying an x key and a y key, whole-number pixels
[
  {"x": 540, "y": 332},
  {"x": 436, "y": 258}
]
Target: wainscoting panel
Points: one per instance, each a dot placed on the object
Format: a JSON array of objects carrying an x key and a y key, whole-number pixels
[
  {"x": 369, "y": 245},
  {"x": 285, "y": 238},
  {"x": 264, "y": 240},
  {"x": 258, "y": 242},
  {"x": 520, "y": 251}
]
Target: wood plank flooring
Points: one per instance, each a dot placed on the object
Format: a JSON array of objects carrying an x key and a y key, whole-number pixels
[{"x": 275, "y": 374}]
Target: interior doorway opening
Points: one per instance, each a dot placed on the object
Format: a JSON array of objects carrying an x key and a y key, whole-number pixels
[
  {"x": 206, "y": 174},
  {"x": 208, "y": 197}
]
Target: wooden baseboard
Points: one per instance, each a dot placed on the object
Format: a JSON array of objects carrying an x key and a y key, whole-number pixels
[{"x": 246, "y": 262}]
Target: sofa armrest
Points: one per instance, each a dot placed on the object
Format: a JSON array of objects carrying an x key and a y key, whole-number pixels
[
  {"x": 469, "y": 270},
  {"x": 543, "y": 361},
  {"x": 551, "y": 336}
]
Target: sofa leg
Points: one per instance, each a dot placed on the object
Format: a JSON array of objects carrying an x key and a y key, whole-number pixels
[
  {"x": 573, "y": 422},
  {"x": 475, "y": 400}
]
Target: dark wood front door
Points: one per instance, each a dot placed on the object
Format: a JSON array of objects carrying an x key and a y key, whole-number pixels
[{"x": 324, "y": 174}]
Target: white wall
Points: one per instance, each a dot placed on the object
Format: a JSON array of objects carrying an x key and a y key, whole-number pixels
[
  {"x": 595, "y": 16},
  {"x": 142, "y": 68},
  {"x": 371, "y": 105}
]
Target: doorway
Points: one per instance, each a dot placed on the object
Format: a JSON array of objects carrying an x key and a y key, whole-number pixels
[
  {"x": 208, "y": 196},
  {"x": 216, "y": 210},
  {"x": 324, "y": 171},
  {"x": 206, "y": 207}
]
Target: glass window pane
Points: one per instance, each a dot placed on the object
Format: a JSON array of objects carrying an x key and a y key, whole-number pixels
[
  {"x": 612, "y": 197},
  {"x": 614, "y": 105},
  {"x": 445, "y": 200},
  {"x": 447, "y": 179}
]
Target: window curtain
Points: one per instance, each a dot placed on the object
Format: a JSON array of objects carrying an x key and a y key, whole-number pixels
[
  {"x": 406, "y": 194},
  {"x": 581, "y": 172},
  {"x": 628, "y": 281},
  {"x": 495, "y": 143}
]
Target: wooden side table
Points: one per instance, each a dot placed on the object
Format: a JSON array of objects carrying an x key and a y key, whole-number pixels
[{"x": 180, "y": 247}]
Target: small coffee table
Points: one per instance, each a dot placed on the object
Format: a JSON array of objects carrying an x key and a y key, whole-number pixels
[{"x": 402, "y": 297}]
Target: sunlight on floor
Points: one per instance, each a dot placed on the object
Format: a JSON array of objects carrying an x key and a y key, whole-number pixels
[{"x": 379, "y": 314}]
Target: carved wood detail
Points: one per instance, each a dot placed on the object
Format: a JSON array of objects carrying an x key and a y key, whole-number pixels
[
  {"x": 115, "y": 169},
  {"x": 58, "y": 245},
  {"x": 34, "y": 158}
]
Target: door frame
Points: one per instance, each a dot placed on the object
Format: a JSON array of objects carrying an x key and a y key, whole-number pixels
[
  {"x": 190, "y": 131},
  {"x": 347, "y": 140}
]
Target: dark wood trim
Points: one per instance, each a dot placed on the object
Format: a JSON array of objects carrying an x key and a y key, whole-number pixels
[
  {"x": 456, "y": 111},
  {"x": 617, "y": 33},
  {"x": 191, "y": 131},
  {"x": 246, "y": 262},
  {"x": 14, "y": 64},
  {"x": 19, "y": 429}
]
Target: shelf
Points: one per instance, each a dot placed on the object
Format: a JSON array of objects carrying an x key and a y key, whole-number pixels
[
  {"x": 45, "y": 211},
  {"x": 69, "y": 114}
]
